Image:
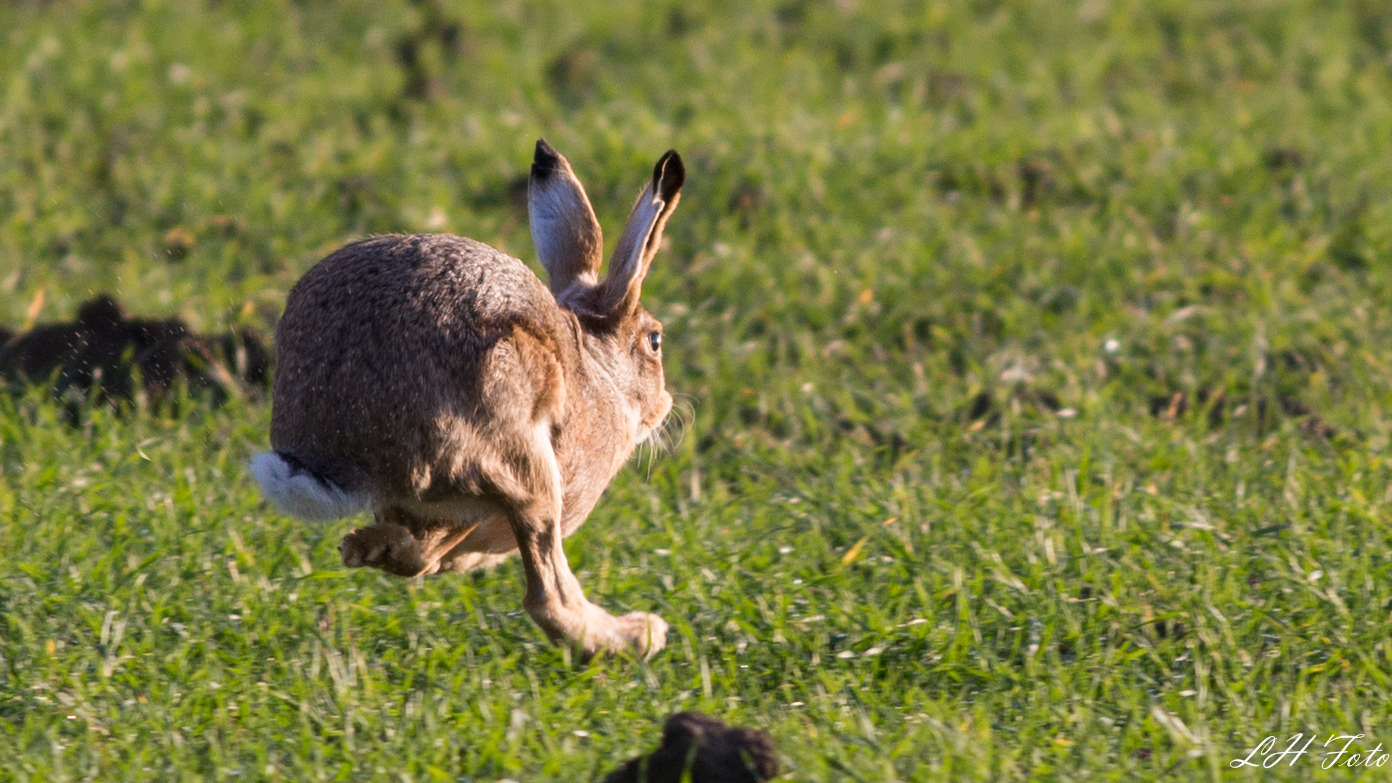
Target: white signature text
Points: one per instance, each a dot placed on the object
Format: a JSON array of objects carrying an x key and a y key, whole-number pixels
[{"x": 1338, "y": 752}]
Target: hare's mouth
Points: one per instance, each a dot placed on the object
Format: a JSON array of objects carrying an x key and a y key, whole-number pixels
[
  {"x": 645, "y": 434},
  {"x": 670, "y": 428}
]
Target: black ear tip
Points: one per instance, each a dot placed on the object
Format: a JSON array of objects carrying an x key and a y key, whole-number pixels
[
  {"x": 668, "y": 175},
  {"x": 545, "y": 161}
]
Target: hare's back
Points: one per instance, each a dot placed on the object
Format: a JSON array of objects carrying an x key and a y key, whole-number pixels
[
  {"x": 425, "y": 283},
  {"x": 385, "y": 337}
]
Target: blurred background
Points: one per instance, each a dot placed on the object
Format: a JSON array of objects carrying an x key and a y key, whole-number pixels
[{"x": 877, "y": 177}]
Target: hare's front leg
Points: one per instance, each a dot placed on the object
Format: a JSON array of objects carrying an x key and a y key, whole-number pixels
[{"x": 554, "y": 598}]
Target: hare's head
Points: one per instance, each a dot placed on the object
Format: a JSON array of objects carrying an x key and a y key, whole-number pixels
[{"x": 569, "y": 243}]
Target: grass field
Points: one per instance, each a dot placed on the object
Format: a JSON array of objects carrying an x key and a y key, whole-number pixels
[{"x": 1037, "y": 351}]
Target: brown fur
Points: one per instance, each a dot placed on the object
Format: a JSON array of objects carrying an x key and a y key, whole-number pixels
[{"x": 480, "y": 411}]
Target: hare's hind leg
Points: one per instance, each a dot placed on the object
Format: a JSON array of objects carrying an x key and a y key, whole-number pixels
[
  {"x": 401, "y": 543},
  {"x": 554, "y": 598}
]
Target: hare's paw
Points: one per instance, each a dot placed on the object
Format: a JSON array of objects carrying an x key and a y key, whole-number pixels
[
  {"x": 645, "y": 633},
  {"x": 589, "y": 629},
  {"x": 391, "y": 548}
]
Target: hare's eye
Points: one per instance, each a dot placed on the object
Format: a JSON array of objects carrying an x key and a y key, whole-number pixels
[{"x": 655, "y": 341}]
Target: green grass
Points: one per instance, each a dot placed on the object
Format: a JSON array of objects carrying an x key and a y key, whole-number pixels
[{"x": 945, "y": 264}]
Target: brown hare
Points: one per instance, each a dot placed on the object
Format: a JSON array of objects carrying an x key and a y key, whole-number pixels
[{"x": 435, "y": 381}]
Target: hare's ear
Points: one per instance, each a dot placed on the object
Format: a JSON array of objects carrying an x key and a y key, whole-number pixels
[
  {"x": 567, "y": 236},
  {"x": 641, "y": 237}
]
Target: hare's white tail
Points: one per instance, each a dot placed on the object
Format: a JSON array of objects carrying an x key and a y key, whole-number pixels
[{"x": 300, "y": 493}]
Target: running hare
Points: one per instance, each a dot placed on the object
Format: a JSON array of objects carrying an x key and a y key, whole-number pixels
[{"x": 436, "y": 382}]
